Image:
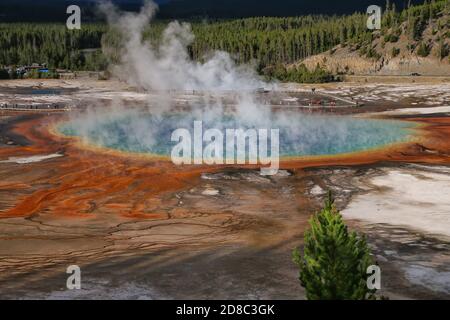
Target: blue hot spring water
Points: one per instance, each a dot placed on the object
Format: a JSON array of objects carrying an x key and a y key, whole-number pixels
[{"x": 300, "y": 134}]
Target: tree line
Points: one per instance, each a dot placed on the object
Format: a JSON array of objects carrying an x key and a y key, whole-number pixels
[
  {"x": 52, "y": 44},
  {"x": 270, "y": 42}
]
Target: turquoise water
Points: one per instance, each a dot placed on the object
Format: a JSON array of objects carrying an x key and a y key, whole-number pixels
[{"x": 300, "y": 134}]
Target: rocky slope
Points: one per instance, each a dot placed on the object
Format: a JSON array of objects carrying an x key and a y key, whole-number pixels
[{"x": 392, "y": 52}]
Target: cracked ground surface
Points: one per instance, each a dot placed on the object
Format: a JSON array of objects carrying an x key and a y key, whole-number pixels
[{"x": 143, "y": 229}]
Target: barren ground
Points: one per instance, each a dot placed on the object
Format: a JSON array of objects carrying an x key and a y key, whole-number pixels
[{"x": 142, "y": 229}]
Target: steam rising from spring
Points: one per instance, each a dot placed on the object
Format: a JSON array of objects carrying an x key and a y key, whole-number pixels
[{"x": 168, "y": 65}]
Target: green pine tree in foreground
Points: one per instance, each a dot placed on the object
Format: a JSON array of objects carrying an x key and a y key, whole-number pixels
[{"x": 334, "y": 261}]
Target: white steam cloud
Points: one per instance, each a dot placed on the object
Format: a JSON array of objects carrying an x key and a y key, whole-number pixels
[{"x": 168, "y": 65}]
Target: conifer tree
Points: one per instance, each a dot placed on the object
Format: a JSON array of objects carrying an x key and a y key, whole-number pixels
[{"x": 334, "y": 261}]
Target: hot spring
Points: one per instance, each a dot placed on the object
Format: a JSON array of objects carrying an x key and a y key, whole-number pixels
[{"x": 300, "y": 134}]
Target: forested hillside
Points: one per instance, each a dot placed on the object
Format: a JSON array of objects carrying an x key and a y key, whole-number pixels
[
  {"x": 268, "y": 41},
  {"x": 273, "y": 43},
  {"x": 415, "y": 41},
  {"x": 24, "y": 44}
]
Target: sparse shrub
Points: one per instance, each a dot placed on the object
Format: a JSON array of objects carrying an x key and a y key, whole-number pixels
[
  {"x": 411, "y": 47},
  {"x": 373, "y": 54},
  {"x": 395, "y": 52},
  {"x": 334, "y": 261},
  {"x": 423, "y": 50},
  {"x": 363, "y": 51},
  {"x": 394, "y": 38},
  {"x": 391, "y": 38},
  {"x": 442, "y": 50}
]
